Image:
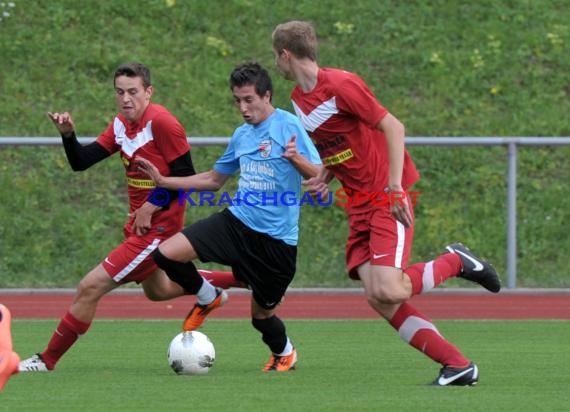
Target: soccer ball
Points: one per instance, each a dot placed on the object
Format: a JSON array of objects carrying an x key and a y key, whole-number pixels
[{"x": 191, "y": 353}]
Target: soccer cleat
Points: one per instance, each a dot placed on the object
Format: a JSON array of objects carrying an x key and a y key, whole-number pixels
[
  {"x": 33, "y": 364},
  {"x": 198, "y": 314},
  {"x": 476, "y": 269},
  {"x": 448, "y": 376},
  {"x": 281, "y": 363}
]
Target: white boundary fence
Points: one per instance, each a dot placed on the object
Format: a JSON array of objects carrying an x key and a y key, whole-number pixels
[{"x": 511, "y": 143}]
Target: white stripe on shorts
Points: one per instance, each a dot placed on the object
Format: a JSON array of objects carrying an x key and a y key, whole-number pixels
[
  {"x": 136, "y": 261},
  {"x": 400, "y": 245}
]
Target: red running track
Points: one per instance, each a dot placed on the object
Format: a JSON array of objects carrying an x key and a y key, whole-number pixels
[{"x": 332, "y": 304}]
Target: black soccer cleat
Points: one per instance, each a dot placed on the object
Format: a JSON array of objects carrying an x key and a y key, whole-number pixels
[
  {"x": 476, "y": 269},
  {"x": 448, "y": 376}
]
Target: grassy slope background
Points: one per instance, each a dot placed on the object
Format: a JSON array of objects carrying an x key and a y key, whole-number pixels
[{"x": 445, "y": 68}]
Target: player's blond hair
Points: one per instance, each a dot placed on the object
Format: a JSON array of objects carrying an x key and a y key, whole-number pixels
[{"x": 298, "y": 37}]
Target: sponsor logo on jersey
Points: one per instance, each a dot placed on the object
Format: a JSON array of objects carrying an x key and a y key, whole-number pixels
[
  {"x": 265, "y": 148},
  {"x": 338, "y": 158}
]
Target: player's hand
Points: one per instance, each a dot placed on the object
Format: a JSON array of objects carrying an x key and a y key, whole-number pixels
[
  {"x": 291, "y": 148},
  {"x": 318, "y": 186},
  {"x": 146, "y": 166},
  {"x": 143, "y": 218},
  {"x": 400, "y": 207},
  {"x": 63, "y": 122}
]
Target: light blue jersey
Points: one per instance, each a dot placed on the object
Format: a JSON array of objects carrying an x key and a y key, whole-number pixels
[{"x": 269, "y": 186}]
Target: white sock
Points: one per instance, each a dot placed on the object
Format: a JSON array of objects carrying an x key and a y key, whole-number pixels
[
  {"x": 206, "y": 294},
  {"x": 288, "y": 348}
]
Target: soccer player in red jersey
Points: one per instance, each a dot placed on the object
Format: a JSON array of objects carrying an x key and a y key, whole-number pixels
[
  {"x": 362, "y": 145},
  {"x": 141, "y": 128}
]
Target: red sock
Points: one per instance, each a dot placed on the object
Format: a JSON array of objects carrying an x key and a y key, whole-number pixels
[
  {"x": 65, "y": 335},
  {"x": 426, "y": 276},
  {"x": 224, "y": 280},
  {"x": 419, "y": 332}
]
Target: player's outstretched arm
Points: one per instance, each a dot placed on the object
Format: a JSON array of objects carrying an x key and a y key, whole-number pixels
[{"x": 210, "y": 180}]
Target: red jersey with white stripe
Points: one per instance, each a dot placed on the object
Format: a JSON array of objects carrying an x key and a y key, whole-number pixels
[
  {"x": 159, "y": 137},
  {"x": 340, "y": 114}
]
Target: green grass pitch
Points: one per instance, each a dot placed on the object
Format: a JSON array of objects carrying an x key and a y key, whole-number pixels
[{"x": 343, "y": 365}]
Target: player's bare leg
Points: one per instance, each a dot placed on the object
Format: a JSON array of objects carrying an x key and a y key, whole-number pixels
[
  {"x": 158, "y": 287},
  {"x": 75, "y": 322},
  {"x": 387, "y": 290}
]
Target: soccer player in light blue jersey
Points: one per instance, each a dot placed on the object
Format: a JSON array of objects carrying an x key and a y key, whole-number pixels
[{"x": 257, "y": 235}]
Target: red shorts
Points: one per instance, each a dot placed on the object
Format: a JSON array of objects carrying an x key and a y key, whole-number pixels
[
  {"x": 378, "y": 238},
  {"x": 131, "y": 261}
]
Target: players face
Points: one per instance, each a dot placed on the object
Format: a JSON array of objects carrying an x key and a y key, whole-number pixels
[
  {"x": 132, "y": 97},
  {"x": 253, "y": 108}
]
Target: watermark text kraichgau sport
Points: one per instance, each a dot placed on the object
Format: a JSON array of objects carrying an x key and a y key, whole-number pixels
[{"x": 340, "y": 197}]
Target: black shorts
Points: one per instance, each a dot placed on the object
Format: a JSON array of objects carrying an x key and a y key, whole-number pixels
[{"x": 267, "y": 265}]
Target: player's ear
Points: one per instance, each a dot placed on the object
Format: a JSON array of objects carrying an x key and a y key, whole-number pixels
[
  {"x": 268, "y": 95},
  {"x": 149, "y": 90}
]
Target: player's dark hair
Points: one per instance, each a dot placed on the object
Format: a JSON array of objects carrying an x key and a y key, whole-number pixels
[
  {"x": 134, "y": 69},
  {"x": 252, "y": 74}
]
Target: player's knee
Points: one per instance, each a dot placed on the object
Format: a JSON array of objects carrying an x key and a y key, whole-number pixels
[
  {"x": 89, "y": 290},
  {"x": 184, "y": 274},
  {"x": 165, "y": 263},
  {"x": 161, "y": 261},
  {"x": 385, "y": 296}
]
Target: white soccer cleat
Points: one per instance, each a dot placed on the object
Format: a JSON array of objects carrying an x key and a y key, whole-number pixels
[{"x": 33, "y": 364}]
